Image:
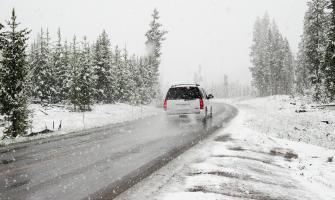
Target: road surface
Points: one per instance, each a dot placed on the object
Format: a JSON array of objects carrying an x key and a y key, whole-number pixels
[{"x": 100, "y": 163}]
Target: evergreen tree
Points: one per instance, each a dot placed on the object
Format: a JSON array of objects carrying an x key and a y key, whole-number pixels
[
  {"x": 64, "y": 73},
  {"x": 2, "y": 43},
  {"x": 57, "y": 71},
  {"x": 144, "y": 81},
  {"x": 281, "y": 63},
  {"x": 134, "y": 97},
  {"x": 105, "y": 79},
  {"x": 34, "y": 67},
  {"x": 85, "y": 79},
  {"x": 58, "y": 74},
  {"x": 31, "y": 60},
  {"x": 13, "y": 74},
  {"x": 288, "y": 69},
  {"x": 125, "y": 79},
  {"x": 301, "y": 71},
  {"x": 329, "y": 61},
  {"x": 74, "y": 87},
  {"x": 117, "y": 66},
  {"x": 259, "y": 55},
  {"x": 51, "y": 71},
  {"x": 315, "y": 42},
  {"x": 272, "y": 59},
  {"x": 43, "y": 78},
  {"x": 2, "y": 39},
  {"x": 274, "y": 65},
  {"x": 155, "y": 35}
]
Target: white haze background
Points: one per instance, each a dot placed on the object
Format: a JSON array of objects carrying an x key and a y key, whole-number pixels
[{"x": 215, "y": 34}]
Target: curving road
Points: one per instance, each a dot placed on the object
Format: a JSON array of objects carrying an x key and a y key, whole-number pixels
[{"x": 103, "y": 162}]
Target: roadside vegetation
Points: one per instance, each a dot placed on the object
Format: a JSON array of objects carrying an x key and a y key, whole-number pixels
[
  {"x": 275, "y": 69},
  {"x": 77, "y": 72}
]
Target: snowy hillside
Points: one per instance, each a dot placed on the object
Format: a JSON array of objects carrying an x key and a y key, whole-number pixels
[{"x": 51, "y": 118}]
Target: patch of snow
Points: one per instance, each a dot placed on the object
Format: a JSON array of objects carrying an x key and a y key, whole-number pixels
[
  {"x": 101, "y": 115},
  {"x": 297, "y": 119}
]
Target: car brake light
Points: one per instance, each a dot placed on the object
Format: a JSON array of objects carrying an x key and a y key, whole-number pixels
[
  {"x": 165, "y": 104},
  {"x": 201, "y": 104}
]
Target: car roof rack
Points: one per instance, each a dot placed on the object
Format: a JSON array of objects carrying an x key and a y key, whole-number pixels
[{"x": 191, "y": 84}]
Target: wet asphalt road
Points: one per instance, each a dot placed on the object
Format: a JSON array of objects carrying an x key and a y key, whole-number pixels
[{"x": 103, "y": 162}]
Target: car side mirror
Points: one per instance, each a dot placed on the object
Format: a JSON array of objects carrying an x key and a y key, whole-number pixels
[{"x": 210, "y": 96}]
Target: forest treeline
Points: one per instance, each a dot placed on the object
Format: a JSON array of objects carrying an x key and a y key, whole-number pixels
[
  {"x": 276, "y": 70},
  {"x": 77, "y": 72},
  {"x": 84, "y": 73},
  {"x": 272, "y": 59},
  {"x": 315, "y": 70}
]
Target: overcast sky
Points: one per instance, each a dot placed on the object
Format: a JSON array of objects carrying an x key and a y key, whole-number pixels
[{"x": 215, "y": 34}]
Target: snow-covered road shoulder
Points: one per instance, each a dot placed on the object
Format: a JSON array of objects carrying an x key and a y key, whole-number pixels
[
  {"x": 297, "y": 119},
  {"x": 242, "y": 163},
  {"x": 62, "y": 121}
]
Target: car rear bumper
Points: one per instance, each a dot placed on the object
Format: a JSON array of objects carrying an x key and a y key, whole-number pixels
[{"x": 185, "y": 112}]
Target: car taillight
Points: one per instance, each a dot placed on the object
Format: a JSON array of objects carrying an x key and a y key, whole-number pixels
[
  {"x": 201, "y": 104},
  {"x": 165, "y": 104}
]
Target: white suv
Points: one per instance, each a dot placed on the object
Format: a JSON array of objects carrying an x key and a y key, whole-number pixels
[{"x": 188, "y": 99}]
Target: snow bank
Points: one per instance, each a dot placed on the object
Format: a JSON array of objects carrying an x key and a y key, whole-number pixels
[
  {"x": 296, "y": 119},
  {"x": 53, "y": 117}
]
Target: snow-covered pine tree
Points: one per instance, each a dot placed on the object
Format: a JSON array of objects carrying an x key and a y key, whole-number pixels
[
  {"x": 315, "y": 44},
  {"x": 85, "y": 78},
  {"x": 117, "y": 70},
  {"x": 34, "y": 67},
  {"x": 2, "y": 40},
  {"x": 144, "y": 80},
  {"x": 74, "y": 88},
  {"x": 64, "y": 73},
  {"x": 260, "y": 56},
  {"x": 31, "y": 59},
  {"x": 276, "y": 57},
  {"x": 104, "y": 87},
  {"x": 2, "y": 43},
  {"x": 288, "y": 68},
  {"x": 134, "y": 98},
  {"x": 125, "y": 79},
  {"x": 301, "y": 70},
  {"x": 51, "y": 71},
  {"x": 13, "y": 74},
  {"x": 268, "y": 63},
  {"x": 58, "y": 67},
  {"x": 138, "y": 80},
  {"x": 43, "y": 78},
  {"x": 328, "y": 67},
  {"x": 281, "y": 63},
  {"x": 155, "y": 35},
  {"x": 74, "y": 55},
  {"x": 272, "y": 59}
]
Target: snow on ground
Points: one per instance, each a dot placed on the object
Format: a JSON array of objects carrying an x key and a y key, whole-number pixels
[
  {"x": 101, "y": 115},
  {"x": 243, "y": 162},
  {"x": 292, "y": 118}
]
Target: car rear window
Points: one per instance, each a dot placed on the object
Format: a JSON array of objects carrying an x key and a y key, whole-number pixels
[{"x": 187, "y": 93}]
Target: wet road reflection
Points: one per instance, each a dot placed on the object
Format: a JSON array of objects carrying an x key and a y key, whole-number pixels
[{"x": 100, "y": 162}]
